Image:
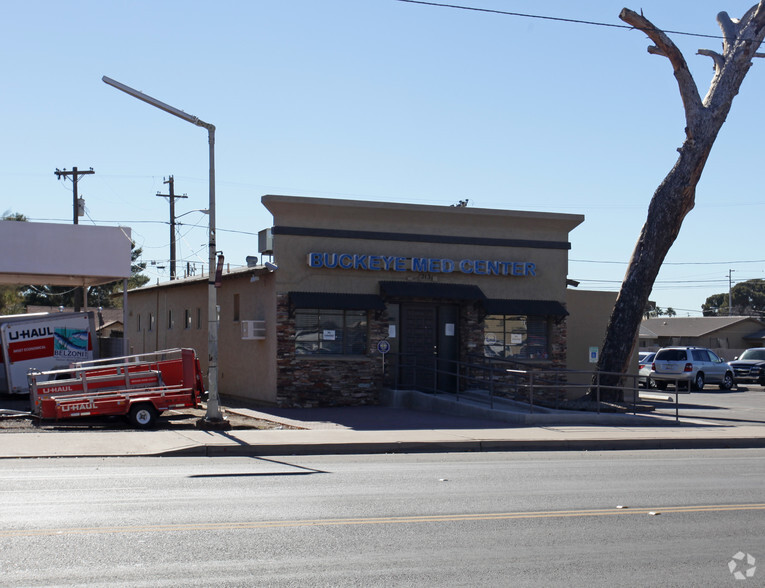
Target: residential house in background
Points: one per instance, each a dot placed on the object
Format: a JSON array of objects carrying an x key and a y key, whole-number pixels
[{"x": 727, "y": 335}]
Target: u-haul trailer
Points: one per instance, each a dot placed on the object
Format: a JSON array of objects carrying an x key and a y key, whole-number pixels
[
  {"x": 42, "y": 341},
  {"x": 140, "y": 387}
]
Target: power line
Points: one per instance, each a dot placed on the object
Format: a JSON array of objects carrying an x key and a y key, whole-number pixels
[
  {"x": 149, "y": 222},
  {"x": 673, "y": 262},
  {"x": 553, "y": 18}
]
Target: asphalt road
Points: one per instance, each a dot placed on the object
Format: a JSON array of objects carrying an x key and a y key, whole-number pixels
[{"x": 499, "y": 519}]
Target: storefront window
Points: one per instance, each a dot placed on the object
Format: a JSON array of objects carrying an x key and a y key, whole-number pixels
[
  {"x": 330, "y": 332},
  {"x": 516, "y": 337}
]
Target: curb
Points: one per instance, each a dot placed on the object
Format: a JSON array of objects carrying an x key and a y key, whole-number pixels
[
  {"x": 467, "y": 446},
  {"x": 441, "y": 446}
]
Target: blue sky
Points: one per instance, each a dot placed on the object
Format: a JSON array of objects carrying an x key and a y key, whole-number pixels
[{"x": 378, "y": 100}]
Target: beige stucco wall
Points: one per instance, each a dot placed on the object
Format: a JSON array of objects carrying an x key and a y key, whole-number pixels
[
  {"x": 589, "y": 312},
  {"x": 246, "y": 368},
  {"x": 551, "y": 265},
  {"x": 587, "y": 321}
]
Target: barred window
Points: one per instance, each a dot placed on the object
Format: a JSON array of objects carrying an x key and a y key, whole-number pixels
[
  {"x": 516, "y": 337},
  {"x": 330, "y": 332}
]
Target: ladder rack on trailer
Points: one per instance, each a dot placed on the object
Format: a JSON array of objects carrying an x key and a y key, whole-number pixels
[{"x": 139, "y": 386}]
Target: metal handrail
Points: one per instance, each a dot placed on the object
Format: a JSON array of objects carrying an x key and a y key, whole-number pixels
[{"x": 530, "y": 380}]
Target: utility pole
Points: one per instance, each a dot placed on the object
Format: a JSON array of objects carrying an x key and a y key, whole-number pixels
[
  {"x": 730, "y": 292},
  {"x": 172, "y": 197},
  {"x": 81, "y": 294}
]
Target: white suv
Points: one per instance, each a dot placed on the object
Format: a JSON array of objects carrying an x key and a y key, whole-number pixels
[{"x": 690, "y": 367}]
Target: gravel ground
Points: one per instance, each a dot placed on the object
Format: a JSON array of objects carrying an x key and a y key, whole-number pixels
[{"x": 15, "y": 418}]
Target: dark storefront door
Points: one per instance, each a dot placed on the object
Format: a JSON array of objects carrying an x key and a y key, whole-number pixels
[{"x": 429, "y": 346}]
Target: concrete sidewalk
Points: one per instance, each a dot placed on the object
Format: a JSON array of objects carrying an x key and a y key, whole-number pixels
[{"x": 369, "y": 430}]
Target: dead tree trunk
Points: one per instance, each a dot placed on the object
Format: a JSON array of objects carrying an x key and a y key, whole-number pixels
[{"x": 675, "y": 197}]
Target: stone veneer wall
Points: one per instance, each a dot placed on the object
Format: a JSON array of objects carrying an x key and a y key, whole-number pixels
[
  {"x": 472, "y": 329},
  {"x": 310, "y": 380},
  {"x": 558, "y": 344}
]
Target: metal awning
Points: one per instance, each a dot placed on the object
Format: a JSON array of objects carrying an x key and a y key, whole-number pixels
[
  {"x": 432, "y": 290},
  {"x": 525, "y": 307},
  {"x": 336, "y": 301},
  {"x": 63, "y": 255}
]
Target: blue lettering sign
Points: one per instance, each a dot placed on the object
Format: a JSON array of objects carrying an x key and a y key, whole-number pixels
[
  {"x": 330, "y": 260},
  {"x": 419, "y": 264},
  {"x": 432, "y": 265},
  {"x": 345, "y": 261}
]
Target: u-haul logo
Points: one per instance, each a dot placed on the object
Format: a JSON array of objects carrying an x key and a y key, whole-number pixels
[
  {"x": 78, "y": 406},
  {"x": 56, "y": 390},
  {"x": 33, "y": 333}
]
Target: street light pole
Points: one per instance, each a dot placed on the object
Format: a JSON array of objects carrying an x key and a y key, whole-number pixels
[{"x": 213, "y": 417}]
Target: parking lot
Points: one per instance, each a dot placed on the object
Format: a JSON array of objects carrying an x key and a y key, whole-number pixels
[{"x": 743, "y": 405}]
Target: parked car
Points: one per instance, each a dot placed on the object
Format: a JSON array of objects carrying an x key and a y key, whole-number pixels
[
  {"x": 749, "y": 367},
  {"x": 691, "y": 368},
  {"x": 644, "y": 365}
]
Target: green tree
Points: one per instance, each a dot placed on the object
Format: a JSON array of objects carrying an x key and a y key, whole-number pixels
[
  {"x": 748, "y": 299},
  {"x": 716, "y": 304},
  {"x": 14, "y": 216}
]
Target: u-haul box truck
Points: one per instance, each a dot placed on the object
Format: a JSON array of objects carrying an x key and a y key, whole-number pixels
[{"x": 45, "y": 341}]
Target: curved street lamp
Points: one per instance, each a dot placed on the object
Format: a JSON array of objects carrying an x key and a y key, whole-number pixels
[{"x": 213, "y": 417}]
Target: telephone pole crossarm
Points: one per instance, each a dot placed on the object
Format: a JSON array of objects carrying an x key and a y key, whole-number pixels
[{"x": 81, "y": 294}]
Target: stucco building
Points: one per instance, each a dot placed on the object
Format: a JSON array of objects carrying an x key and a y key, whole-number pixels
[{"x": 340, "y": 282}]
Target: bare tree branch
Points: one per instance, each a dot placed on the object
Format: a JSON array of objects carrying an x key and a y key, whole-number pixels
[
  {"x": 664, "y": 46},
  {"x": 742, "y": 38},
  {"x": 675, "y": 196},
  {"x": 716, "y": 57},
  {"x": 729, "y": 29}
]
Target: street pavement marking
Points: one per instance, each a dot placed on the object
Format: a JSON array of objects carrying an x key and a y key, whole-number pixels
[{"x": 222, "y": 526}]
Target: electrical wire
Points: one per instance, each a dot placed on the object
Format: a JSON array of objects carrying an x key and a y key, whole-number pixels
[
  {"x": 740, "y": 261},
  {"x": 553, "y": 18}
]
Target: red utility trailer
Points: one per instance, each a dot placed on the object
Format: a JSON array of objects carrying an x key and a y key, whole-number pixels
[{"x": 138, "y": 386}]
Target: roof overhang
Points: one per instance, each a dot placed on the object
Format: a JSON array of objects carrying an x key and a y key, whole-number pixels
[
  {"x": 467, "y": 292},
  {"x": 63, "y": 255},
  {"x": 336, "y": 301}
]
